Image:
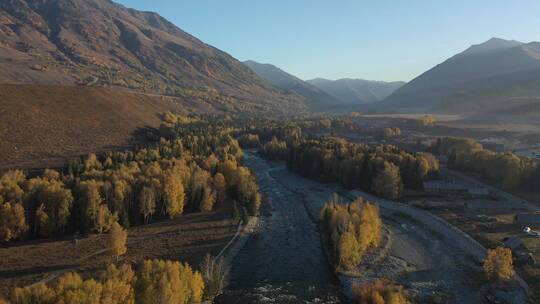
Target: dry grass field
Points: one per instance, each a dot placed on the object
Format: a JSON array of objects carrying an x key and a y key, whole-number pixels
[
  {"x": 188, "y": 238},
  {"x": 42, "y": 125}
]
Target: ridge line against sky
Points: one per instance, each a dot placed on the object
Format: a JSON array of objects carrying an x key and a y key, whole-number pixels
[{"x": 378, "y": 40}]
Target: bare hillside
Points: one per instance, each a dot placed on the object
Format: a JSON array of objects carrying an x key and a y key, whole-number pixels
[{"x": 41, "y": 125}]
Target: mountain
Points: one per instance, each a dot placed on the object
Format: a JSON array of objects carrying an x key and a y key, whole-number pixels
[
  {"x": 285, "y": 81},
  {"x": 101, "y": 43},
  {"x": 493, "y": 44},
  {"x": 485, "y": 77},
  {"x": 356, "y": 91},
  {"x": 80, "y": 76}
]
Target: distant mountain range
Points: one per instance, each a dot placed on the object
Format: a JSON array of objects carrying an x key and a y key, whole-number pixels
[
  {"x": 314, "y": 96},
  {"x": 356, "y": 91},
  {"x": 495, "y": 76},
  {"x": 323, "y": 92}
]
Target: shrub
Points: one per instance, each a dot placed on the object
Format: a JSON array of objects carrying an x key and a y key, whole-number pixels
[{"x": 380, "y": 292}]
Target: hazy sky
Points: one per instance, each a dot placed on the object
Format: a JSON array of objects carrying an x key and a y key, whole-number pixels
[{"x": 379, "y": 40}]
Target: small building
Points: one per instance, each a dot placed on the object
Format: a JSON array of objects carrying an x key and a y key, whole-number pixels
[{"x": 528, "y": 219}]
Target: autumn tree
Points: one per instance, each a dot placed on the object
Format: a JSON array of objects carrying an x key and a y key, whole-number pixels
[
  {"x": 379, "y": 292},
  {"x": 43, "y": 225},
  {"x": 498, "y": 264},
  {"x": 89, "y": 200},
  {"x": 388, "y": 182},
  {"x": 56, "y": 199},
  {"x": 168, "y": 282},
  {"x": 37, "y": 294},
  {"x": 349, "y": 250},
  {"x": 351, "y": 229},
  {"x": 174, "y": 195},
  {"x": 104, "y": 219},
  {"x": 118, "y": 239},
  {"x": 147, "y": 203},
  {"x": 220, "y": 186},
  {"x": 208, "y": 199},
  {"x": 10, "y": 186},
  {"x": 118, "y": 285},
  {"x": 12, "y": 221},
  {"x": 214, "y": 276}
]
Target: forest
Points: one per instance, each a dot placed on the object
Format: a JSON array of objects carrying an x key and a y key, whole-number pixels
[
  {"x": 507, "y": 169},
  {"x": 190, "y": 173}
]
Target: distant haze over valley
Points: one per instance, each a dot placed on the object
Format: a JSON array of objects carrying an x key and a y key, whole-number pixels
[{"x": 323, "y": 91}]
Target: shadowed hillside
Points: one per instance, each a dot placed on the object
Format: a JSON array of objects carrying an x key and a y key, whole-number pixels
[
  {"x": 487, "y": 76},
  {"x": 315, "y": 97}
]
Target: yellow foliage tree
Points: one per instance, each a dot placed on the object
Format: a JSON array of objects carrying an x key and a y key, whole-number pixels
[
  {"x": 118, "y": 285},
  {"x": 350, "y": 251},
  {"x": 380, "y": 292},
  {"x": 498, "y": 264},
  {"x": 168, "y": 282},
  {"x": 118, "y": 239},
  {"x": 351, "y": 229},
  {"x": 12, "y": 221},
  {"x": 174, "y": 195},
  {"x": 388, "y": 182}
]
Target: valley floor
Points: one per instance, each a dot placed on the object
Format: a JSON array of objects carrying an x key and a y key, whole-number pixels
[
  {"x": 286, "y": 262},
  {"x": 187, "y": 238}
]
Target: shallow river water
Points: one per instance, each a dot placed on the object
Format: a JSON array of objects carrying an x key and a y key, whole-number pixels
[{"x": 285, "y": 262}]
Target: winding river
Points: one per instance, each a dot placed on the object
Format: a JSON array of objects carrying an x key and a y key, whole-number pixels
[{"x": 285, "y": 262}]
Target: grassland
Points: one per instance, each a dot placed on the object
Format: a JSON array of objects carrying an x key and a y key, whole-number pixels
[{"x": 187, "y": 238}]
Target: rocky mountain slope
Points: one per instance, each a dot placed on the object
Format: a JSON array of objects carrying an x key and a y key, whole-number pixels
[{"x": 100, "y": 43}]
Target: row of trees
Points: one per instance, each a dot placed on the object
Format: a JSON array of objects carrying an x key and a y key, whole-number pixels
[
  {"x": 274, "y": 149},
  {"x": 508, "y": 169},
  {"x": 351, "y": 230},
  {"x": 391, "y": 132},
  {"x": 383, "y": 169},
  {"x": 132, "y": 187},
  {"x": 249, "y": 141},
  {"x": 155, "y": 281}
]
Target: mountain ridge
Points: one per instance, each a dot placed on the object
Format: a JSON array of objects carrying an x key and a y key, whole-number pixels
[
  {"x": 469, "y": 72},
  {"x": 101, "y": 43},
  {"x": 356, "y": 91},
  {"x": 281, "y": 79}
]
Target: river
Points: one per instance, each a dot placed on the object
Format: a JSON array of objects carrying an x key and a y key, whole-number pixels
[{"x": 285, "y": 262}]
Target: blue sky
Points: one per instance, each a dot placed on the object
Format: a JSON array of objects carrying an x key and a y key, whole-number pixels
[{"x": 378, "y": 40}]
